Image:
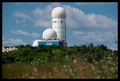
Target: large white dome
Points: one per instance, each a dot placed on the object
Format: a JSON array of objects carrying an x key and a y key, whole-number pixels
[
  {"x": 58, "y": 12},
  {"x": 49, "y": 34}
]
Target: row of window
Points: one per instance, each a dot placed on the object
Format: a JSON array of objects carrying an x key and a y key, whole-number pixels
[
  {"x": 57, "y": 21},
  {"x": 10, "y": 47}
]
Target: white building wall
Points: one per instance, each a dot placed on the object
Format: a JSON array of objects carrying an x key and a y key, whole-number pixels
[
  {"x": 3, "y": 48},
  {"x": 9, "y": 48},
  {"x": 59, "y": 25}
]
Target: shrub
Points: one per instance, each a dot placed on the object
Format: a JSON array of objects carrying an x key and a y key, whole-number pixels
[
  {"x": 115, "y": 52},
  {"x": 61, "y": 54},
  {"x": 88, "y": 57}
]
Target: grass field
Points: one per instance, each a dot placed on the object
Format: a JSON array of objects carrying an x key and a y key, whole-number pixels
[{"x": 79, "y": 68}]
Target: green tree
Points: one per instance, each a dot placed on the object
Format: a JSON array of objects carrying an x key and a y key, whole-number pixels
[
  {"x": 84, "y": 49},
  {"x": 20, "y": 47},
  {"x": 90, "y": 48}
]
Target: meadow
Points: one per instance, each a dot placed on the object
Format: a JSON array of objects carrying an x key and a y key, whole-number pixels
[{"x": 60, "y": 63}]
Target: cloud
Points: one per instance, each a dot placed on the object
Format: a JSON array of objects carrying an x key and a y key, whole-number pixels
[
  {"x": 38, "y": 12},
  {"x": 78, "y": 32},
  {"x": 18, "y": 3},
  {"x": 20, "y": 21},
  {"x": 96, "y": 36},
  {"x": 94, "y": 3},
  {"x": 34, "y": 35},
  {"x": 100, "y": 21},
  {"x": 12, "y": 41},
  {"x": 78, "y": 19},
  {"x": 21, "y": 3},
  {"x": 20, "y": 32},
  {"x": 43, "y": 23},
  {"x": 112, "y": 48},
  {"x": 22, "y": 15},
  {"x": 24, "y": 25},
  {"x": 17, "y": 21},
  {"x": 42, "y": 17},
  {"x": 69, "y": 44}
]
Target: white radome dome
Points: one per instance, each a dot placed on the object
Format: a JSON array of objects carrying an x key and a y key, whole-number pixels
[
  {"x": 35, "y": 43},
  {"x": 58, "y": 12},
  {"x": 49, "y": 34}
]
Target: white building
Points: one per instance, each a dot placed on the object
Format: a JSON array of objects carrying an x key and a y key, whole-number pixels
[
  {"x": 56, "y": 35},
  {"x": 9, "y": 48},
  {"x": 59, "y": 22}
]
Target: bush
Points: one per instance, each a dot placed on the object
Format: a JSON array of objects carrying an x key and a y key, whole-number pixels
[
  {"x": 89, "y": 57},
  {"x": 61, "y": 54},
  {"x": 115, "y": 53}
]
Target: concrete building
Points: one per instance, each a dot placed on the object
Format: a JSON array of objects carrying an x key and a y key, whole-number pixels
[
  {"x": 59, "y": 22},
  {"x": 48, "y": 42},
  {"x": 56, "y": 35},
  {"x": 9, "y": 48}
]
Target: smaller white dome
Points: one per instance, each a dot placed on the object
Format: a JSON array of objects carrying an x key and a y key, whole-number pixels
[
  {"x": 49, "y": 34},
  {"x": 58, "y": 12},
  {"x": 35, "y": 43}
]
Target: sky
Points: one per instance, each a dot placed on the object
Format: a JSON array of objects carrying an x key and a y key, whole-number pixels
[{"x": 86, "y": 22}]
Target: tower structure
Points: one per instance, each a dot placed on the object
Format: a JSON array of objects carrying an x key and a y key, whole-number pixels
[
  {"x": 59, "y": 22},
  {"x": 56, "y": 35}
]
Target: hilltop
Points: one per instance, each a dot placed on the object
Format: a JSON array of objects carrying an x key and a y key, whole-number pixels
[{"x": 85, "y": 61}]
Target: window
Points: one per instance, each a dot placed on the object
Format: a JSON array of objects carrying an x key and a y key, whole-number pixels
[
  {"x": 48, "y": 43},
  {"x": 7, "y": 47},
  {"x": 61, "y": 21},
  {"x": 55, "y": 21}
]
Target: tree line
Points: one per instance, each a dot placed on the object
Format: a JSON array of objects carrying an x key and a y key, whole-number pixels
[{"x": 42, "y": 53}]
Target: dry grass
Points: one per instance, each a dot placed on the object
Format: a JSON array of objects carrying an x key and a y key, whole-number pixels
[{"x": 78, "y": 69}]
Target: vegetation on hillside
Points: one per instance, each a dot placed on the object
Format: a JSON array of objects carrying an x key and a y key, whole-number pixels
[
  {"x": 44, "y": 53},
  {"x": 46, "y": 62}
]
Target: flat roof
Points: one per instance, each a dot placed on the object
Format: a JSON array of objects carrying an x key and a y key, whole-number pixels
[
  {"x": 9, "y": 46},
  {"x": 48, "y": 40}
]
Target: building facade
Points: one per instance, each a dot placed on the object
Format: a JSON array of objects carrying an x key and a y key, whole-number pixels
[
  {"x": 56, "y": 35},
  {"x": 9, "y": 48},
  {"x": 53, "y": 42}
]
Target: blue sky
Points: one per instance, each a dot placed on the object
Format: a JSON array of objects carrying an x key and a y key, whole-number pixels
[{"x": 86, "y": 22}]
